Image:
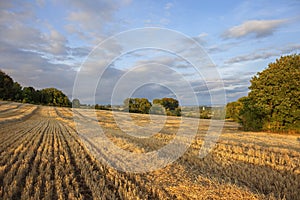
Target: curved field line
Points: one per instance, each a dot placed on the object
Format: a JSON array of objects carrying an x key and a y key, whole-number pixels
[{"x": 10, "y": 106}]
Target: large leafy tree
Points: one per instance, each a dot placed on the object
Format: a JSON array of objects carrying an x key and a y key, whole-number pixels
[
  {"x": 274, "y": 99},
  {"x": 9, "y": 90},
  {"x": 6, "y": 85}
]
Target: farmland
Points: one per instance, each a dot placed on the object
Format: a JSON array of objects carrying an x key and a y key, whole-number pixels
[{"x": 43, "y": 157}]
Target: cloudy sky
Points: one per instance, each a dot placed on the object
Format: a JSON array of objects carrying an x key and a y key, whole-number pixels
[{"x": 49, "y": 43}]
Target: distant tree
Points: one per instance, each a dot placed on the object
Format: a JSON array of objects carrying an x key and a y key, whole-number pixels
[
  {"x": 103, "y": 107},
  {"x": 171, "y": 105},
  {"x": 137, "y": 105},
  {"x": 76, "y": 103},
  {"x": 157, "y": 101},
  {"x": 55, "y": 97},
  {"x": 176, "y": 112},
  {"x": 205, "y": 112},
  {"x": 144, "y": 105},
  {"x": 233, "y": 110}
]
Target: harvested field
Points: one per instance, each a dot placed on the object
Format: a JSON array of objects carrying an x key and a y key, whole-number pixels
[{"x": 42, "y": 156}]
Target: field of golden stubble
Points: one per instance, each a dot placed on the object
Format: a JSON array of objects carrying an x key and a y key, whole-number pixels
[{"x": 42, "y": 157}]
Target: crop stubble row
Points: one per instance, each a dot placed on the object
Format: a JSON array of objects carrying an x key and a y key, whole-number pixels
[
  {"x": 48, "y": 161},
  {"x": 43, "y": 158},
  {"x": 270, "y": 172}
]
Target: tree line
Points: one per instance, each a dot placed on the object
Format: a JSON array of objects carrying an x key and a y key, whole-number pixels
[
  {"x": 168, "y": 106},
  {"x": 273, "y": 103},
  {"x": 13, "y": 91}
]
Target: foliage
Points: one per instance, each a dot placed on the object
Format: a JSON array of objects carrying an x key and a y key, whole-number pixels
[
  {"x": 205, "y": 112},
  {"x": 250, "y": 116},
  {"x": 54, "y": 97},
  {"x": 6, "y": 86},
  {"x": 30, "y": 95},
  {"x": 10, "y": 90},
  {"x": 171, "y": 106},
  {"x": 17, "y": 92},
  {"x": 103, "y": 107},
  {"x": 276, "y": 91},
  {"x": 233, "y": 110},
  {"x": 273, "y": 104},
  {"x": 137, "y": 105}
]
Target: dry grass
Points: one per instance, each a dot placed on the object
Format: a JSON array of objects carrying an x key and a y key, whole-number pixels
[
  {"x": 12, "y": 112},
  {"x": 42, "y": 157}
]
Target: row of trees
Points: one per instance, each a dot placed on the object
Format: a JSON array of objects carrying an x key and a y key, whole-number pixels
[
  {"x": 273, "y": 103},
  {"x": 168, "y": 106},
  {"x": 13, "y": 91}
]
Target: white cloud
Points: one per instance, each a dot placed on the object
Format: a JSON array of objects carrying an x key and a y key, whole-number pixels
[
  {"x": 265, "y": 54},
  {"x": 31, "y": 50},
  {"x": 88, "y": 18},
  {"x": 30, "y": 69},
  {"x": 259, "y": 28},
  {"x": 57, "y": 43},
  {"x": 251, "y": 57},
  {"x": 201, "y": 38},
  {"x": 201, "y": 35}
]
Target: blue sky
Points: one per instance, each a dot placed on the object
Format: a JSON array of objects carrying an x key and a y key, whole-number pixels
[{"x": 44, "y": 43}]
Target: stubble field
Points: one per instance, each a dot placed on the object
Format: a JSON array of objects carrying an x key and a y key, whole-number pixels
[{"x": 43, "y": 157}]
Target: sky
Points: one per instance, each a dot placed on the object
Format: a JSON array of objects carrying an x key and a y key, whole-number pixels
[{"x": 200, "y": 52}]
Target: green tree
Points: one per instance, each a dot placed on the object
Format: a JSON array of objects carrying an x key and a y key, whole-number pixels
[
  {"x": 205, "y": 112},
  {"x": 143, "y": 105},
  {"x": 6, "y": 86},
  {"x": 233, "y": 110},
  {"x": 157, "y": 101},
  {"x": 29, "y": 95},
  {"x": 171, "y": 105},
  {"x": 17, "y": 92},
  {"x": 251, "y": 117},
  {"x": 137, "y": 105},
  {"x": 274, "y": 97},
  {"x": 10, "y": 90},
  {"x": 54, "y": 97}
]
